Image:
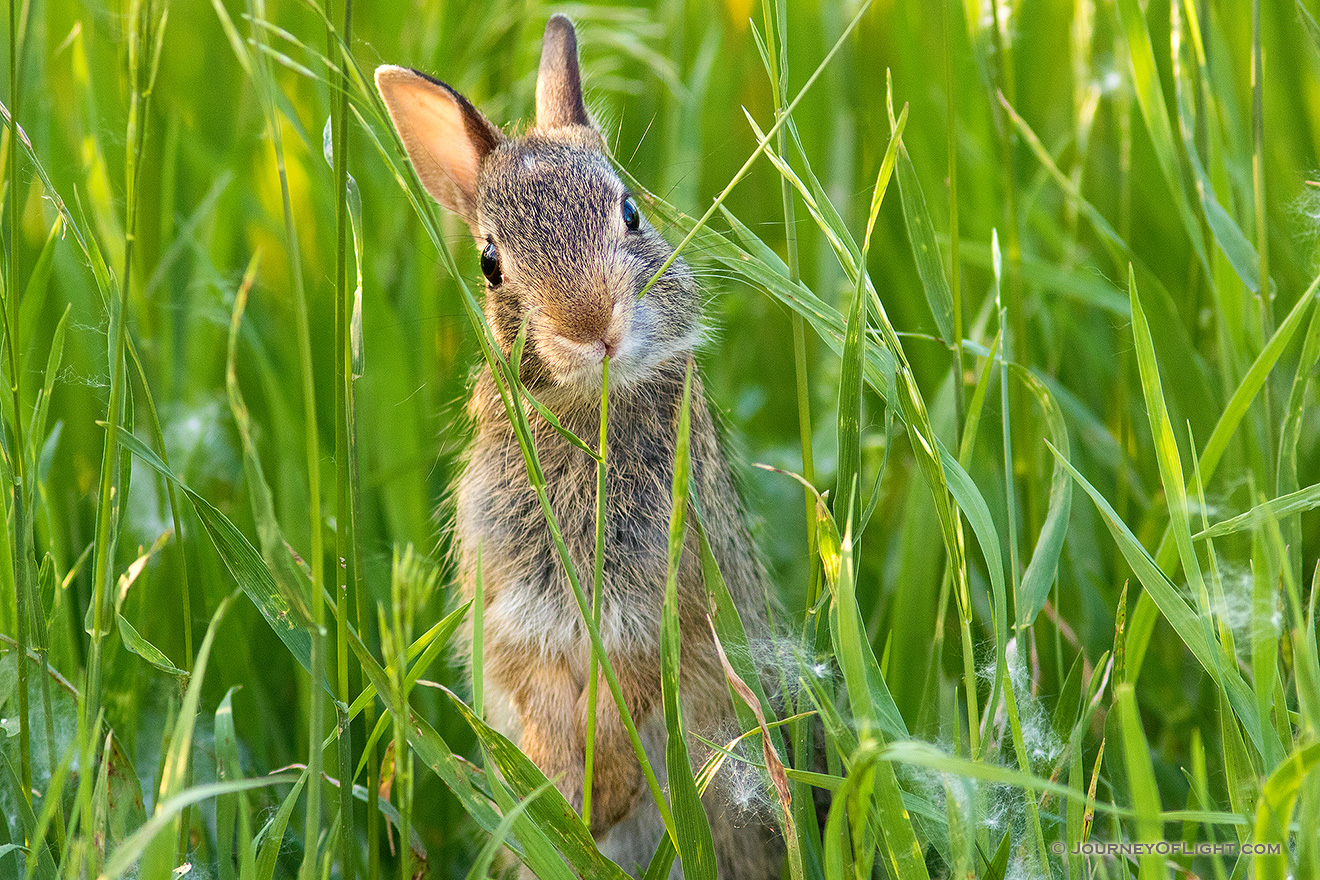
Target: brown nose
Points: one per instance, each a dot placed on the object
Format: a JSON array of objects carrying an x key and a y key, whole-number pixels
[{"x": 583, "y": 322}]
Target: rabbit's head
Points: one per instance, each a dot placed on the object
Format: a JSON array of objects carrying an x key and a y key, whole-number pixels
[{"x": 562, "y": 242}]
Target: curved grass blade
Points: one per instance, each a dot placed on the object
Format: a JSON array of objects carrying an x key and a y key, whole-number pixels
[
  {"x": 848, "y": 443},
  {"x": 903, "y": 855},
  {"x": 1043, "y": 569},
  {"x": 549, "y": 811},
  {"x": 925, "y": 250},
  {"x": 241, "y": 558},
  {"x": 135, "y": 643},
  {"x": 429, "y": 645},
  {"x": 1226, "y": 426},
  {"x": 132, "y": 848},
  {"x": 1166, "y": 446},
  {"x": 1284, "y": 505},
  {"x": 1275, "y": 809},
  {"x": 481, "y": 867},
  {"x": 1185, "y": 622},
  {"x": 270, "y": 840},
  {"x": 45, "y": 864},
  {"x": 158, "y": 850},
  {"x": 762, "y": 143},
  {"x": 696, "y": 848},
  {"x": 1150, "y": 98},
  {"x": 231, "y": 810}
]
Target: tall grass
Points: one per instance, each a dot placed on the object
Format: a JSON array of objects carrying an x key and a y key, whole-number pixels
[{"x": 1092, "y": 455}]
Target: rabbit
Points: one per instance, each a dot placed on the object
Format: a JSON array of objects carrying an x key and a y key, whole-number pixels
[{"x": 564, "y": 247}]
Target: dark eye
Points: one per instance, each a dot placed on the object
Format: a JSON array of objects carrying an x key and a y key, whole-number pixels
[
  {"x": 632, "y": 218},
  {"x": 490, "y": 264}
]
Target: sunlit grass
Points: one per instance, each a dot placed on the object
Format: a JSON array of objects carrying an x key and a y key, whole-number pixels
[{"x": 1092, "y": 454}]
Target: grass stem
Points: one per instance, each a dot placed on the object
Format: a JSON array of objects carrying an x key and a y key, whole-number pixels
[{"x": 597, "y": 586}]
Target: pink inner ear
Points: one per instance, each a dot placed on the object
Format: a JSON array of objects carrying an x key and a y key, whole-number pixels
[{"x": 430, "y": 122}]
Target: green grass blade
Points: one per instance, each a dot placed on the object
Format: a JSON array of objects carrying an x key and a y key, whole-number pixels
[
  {"x": 1166, "y": 446},
  {"x": 1274, "y": 811},
  {"x": 135, "y": 643},
  {"x": 1217, "y": 445},
  {"x": 549, "y": 810},
  {"x": 1043, "y": 569},
  {"x": 696, "y": 849},
  {"x": 1141, "y": 782},
  {"x": 760, "y": 148},
  {"x": 848, "y": 444},
  {"x": 270, "y": 841},
  {"x": 128, "y": 853},
  {"x": 481, "y": 866},
  {"x": 45, "y": 864},
  {"x": 902, "y": 853},
  {"x": 1183, "y": 619},
  {"x": 1284, "y": 505},
  {"x": 158, "y": 850},
  {"x": 921, "y": 235},
  {"x": 1150, "y": 98},
  {"x": 281, "y": 610},
  {"x": 231, "y": 811}
]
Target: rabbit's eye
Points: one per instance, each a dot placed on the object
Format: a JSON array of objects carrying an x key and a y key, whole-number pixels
[
  {"x": 632, "y": 218},
  {"x": 490, "y": 264}
]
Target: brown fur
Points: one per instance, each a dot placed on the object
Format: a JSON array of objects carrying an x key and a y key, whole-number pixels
[{"x": 550, "y": 204}]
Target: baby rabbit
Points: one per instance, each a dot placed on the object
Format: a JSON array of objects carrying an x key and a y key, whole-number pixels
[{"x": 566, "y": 248}]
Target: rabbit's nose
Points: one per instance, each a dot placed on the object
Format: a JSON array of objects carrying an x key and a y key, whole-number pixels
[
  {"x": 587, "y": 324},
  {"x": 594, "y": 322}
]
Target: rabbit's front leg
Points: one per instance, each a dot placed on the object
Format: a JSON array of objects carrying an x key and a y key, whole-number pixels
[
  {"x": 546, "y": 698},
  {"x": 616, "y": 776}
]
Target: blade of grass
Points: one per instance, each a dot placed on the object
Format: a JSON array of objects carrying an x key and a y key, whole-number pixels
[
  {"x": 159, "y": 851},
  {"x": 550, "y": 811},
  {"x": 760, "y": 148},
  {"x": 128, "y": 853},
  {"x": 45, "y": 864},
  {"x": 776, "y": 33},
  {"x": 903, "y": 855},
  {"x": 1275, "y": 809},
  {"x": 1141, "y": 783},
  {"x": 597, "y": 589},
  {"x": 696, "y": 848},
  {"x": 1166, "y": 446},
  {"x": 1215, "y": 448},
  {"x": 1284, "y": 505},
  {"x": 1043, "y": 569},
  {"x": 242, "y": 560},
  {"x": 231, "y": 811},
  {"x": 259, "y": 69},
  {"x": 1150, "y": 99},
  {"x": 1184, "y": 620},
  {"x": 268, "y": 843},
  {"x": 481, "y": 866}
]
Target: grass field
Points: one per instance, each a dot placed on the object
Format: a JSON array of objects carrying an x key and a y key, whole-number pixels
[{"x": 1061, "y": 347}]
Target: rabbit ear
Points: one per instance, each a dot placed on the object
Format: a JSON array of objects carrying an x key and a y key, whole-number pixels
[
  {"x": 559, "y": 82},
  {"x": 446, "y": 138}
]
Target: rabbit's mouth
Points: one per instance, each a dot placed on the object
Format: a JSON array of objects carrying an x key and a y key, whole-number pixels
[
  {"x": 576, "y": 362},
  {"x": 631, "y": 340}
]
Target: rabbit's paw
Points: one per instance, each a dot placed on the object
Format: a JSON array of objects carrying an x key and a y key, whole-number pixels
[{"x": 616, "y": 787}]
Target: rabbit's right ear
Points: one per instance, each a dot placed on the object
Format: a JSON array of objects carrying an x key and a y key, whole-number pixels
[{"x": 446, "y": 138}]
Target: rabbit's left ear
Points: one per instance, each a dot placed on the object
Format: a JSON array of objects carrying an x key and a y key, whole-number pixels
[
  {"x": 559, "y": 80},
  {"x": 446, "y": 138}
]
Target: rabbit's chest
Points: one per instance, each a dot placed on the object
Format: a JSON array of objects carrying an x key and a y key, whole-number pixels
[{"x": 529, "y": 598}]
